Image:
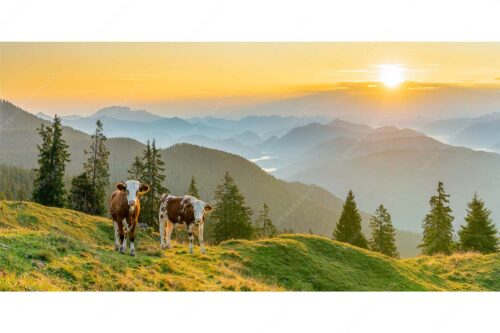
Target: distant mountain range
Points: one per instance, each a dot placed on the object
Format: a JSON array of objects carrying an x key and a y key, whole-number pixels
[
  {"x": 236, "y": 136},
  {"x": 399, "y": 168},
  {"x": 479, "y": 133},
  {"x": 293, "y": 205},
  {"x": 412, "y": 104}
]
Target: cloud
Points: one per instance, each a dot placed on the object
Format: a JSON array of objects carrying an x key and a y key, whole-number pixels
[{"x": 352, "y": 71}]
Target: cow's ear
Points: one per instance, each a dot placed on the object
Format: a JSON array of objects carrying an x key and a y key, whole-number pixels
[
  {"x": 143, "y": 189},
  {"x": 121, "y": 186},
  {"x": 208, "y": 208}
]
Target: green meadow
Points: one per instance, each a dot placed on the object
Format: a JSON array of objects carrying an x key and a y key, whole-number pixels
[{"x": 53, "y": 249}]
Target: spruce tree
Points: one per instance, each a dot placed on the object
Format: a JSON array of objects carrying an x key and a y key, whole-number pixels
[
  {"x": 48, "y": 187},
  {"x": 80, "y": 194},
  {"x": 232, "y": 218},
  {"x": 264, "y": 227},
  {"x": 135, "y": 171},
  {"x": 153, "y": 174},
  {"x": 383, "y": 238},
  {"x": 348, "y": 228},
  {"x": 479, "y": 233},
  {"x": 193, "y": 190},
  {"x": 97, "y": 169},
  {"x": 437, "y": 225}
]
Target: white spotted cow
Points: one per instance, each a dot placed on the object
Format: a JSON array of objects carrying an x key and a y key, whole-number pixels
[{"x": 185, "y": 211}]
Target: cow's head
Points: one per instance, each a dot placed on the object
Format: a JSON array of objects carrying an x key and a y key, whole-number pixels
[
  {"x": 134, "y": 189},
  {"x": 197, "y": 208}
]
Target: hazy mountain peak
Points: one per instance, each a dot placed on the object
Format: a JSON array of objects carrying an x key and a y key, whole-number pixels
[
  {"x": 347, "y": 124},
  {"x": 125, "y": 113},
  {"x": 44, "y": 116},
  {"x": 394, "y": 129}
]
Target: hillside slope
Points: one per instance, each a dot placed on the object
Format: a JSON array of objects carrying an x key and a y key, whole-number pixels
[{"x": 45, "y": 248}]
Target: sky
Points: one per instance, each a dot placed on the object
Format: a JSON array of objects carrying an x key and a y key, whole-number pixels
[{"x": 80, "y": 78}]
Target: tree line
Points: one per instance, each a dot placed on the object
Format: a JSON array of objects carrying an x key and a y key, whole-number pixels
[
  {"x": 478, "y": 234},
  {"x": 231, "y": 217}
]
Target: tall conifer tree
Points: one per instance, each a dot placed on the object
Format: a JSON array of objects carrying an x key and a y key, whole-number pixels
[
  {"x": 348, "y": 228},
  {"x": 437, "y": 225},
  {"x": 479, "y": 232},
  {"x": 97, "y": 170},
  {"x": 231, "y": 216},
  {"x": 153, "y": 174},
  {"x": 135, "y": 171},
  {"x": 383, "y": 237},
  {"x": 48, "y": 187}
]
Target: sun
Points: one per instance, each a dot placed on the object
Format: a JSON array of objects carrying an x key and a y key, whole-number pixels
[{"x": 391, "y": 75}]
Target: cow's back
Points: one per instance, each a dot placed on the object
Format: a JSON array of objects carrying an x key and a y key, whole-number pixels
[{"x": 171, "y": 207}]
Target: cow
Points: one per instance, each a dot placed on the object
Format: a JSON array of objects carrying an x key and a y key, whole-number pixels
[
  {"x": 184, "y": 211},
  {"x": 124, "y": 207}
]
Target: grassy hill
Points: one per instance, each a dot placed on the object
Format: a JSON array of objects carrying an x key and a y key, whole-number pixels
[{"x": 58, "y": 249}]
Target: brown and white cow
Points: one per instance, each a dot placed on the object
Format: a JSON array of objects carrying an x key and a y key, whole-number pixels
[
  {"x": 185, "y": 211},
  {"x": 124, "y": 208}
]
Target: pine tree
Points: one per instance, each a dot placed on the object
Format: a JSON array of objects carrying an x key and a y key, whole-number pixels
[
  {"x": 348, "y": 228},
  {"x": 193, "y": 190},
  {"x": 437, "y": 225},
  {"x": 97, "y": 169},
  {"x": 383, "y": 237},
  {"x": 80, "y": 193},
  {"x": 136, "y": 169},
  {"x": 264, "y": 227},
  {"x": 153, "y": 174},
  {"x": 48, "y": 187},
  {"x": 479, "y": 233},
  {"x": 232, "y": 218}
]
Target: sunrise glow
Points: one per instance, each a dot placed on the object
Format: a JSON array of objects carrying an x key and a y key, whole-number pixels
[{"x": 391, "y": 75}]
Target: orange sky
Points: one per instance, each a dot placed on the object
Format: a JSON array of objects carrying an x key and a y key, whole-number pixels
[{"x": 81, "y": 77}]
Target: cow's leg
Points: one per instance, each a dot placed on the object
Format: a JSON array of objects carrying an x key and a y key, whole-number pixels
[
  {"x": 132, "y": 237},
  {"x": 117, "y": 236},
  {"x": 191, "y": 238},
  {"x": 200, "y": 238},
  {"x": 123, "y": 240},
  {"x": 162, "y": 231},
  {"x": 170, "y": 227}
]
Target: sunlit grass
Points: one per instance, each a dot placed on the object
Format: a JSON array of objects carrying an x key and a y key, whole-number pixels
[{"x": 57, "y": 249}]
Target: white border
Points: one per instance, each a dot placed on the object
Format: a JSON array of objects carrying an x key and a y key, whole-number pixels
[
  {"x": 249, "y": 312},
  {"x": 250, "y": 20},
  {"x": 255, "y": 20}
]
